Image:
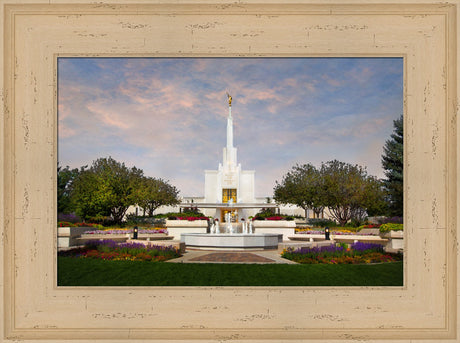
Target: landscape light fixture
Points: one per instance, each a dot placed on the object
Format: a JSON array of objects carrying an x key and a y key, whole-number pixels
[
  {"x": 135, "y": 232},
  {"x": 326, "y": 234}
]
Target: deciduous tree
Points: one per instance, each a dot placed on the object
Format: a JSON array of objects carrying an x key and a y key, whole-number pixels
[
  {"x": 349, "y": 191},
  {"x": 155, "y": 193},
  {"x": 65, "y": 179},
  {"x": 346, "y": 190},
  {"x": 107, "y": 188},
  {"x": 301, "y": 186}
]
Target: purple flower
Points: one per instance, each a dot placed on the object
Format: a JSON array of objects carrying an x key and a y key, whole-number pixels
[{"x": 360, "y": 246}]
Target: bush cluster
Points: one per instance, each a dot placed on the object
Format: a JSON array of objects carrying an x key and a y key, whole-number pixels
[
  {"x": 321, "y": 222},
  {"x": 391, "y": 227},
  {"x": 132, "y": 219}
]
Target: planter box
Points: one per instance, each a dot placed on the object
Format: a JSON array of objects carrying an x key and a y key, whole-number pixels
[
  {"x": 393, "y": 234},
  {"x": 395, "y": 239},
  {"x": 177, "y": 227},
  {"x": 176, "y": 232},
  {"x": 68, "y": 236},
  {"x": 123, "y": 237},
  {"x": 284, "y": 227},
  {"x": 274, "y": 223},
  {"x": 311, "y": 237},
  {"x": 186, "y": 223}
]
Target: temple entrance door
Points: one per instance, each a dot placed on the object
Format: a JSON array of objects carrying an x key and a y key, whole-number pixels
[{"x": 229, "y": 195}]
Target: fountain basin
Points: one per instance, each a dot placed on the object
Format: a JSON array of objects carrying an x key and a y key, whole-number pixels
[{"x": 231, "y": 241}]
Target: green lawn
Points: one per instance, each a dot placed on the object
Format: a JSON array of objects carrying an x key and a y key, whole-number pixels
[{"x": 95, "y": 272}]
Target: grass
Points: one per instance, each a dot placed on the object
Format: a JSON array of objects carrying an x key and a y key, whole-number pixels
[{"x": 95, "y": 272}]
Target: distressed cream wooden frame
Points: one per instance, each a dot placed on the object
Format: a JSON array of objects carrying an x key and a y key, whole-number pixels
[{"x": 33, "y": 308}]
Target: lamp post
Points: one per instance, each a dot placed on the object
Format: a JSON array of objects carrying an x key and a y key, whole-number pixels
[
  {"x": 327, "y": 233},
  {"x": 135, "y": 231}
]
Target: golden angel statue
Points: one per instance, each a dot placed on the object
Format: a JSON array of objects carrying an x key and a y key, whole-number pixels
[{"x": 229, "y": 99}]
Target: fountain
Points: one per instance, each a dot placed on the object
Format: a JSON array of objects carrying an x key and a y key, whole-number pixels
[{"x": 231, "y": 236}]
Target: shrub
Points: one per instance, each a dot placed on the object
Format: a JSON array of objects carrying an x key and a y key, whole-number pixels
[
  {"x": 321, "y": 222},
  {"x": 354, "y": 223},
  {"x": 132, "y": 219},
  {"x": 391, "y": 227},
  {"x": 186, "y": 215},
  {"x": 266, "y": 212},
  {"x": 71, "y": 218},
  {"x": 394, "y": 220},
  {"x": 103, "y": 220}
]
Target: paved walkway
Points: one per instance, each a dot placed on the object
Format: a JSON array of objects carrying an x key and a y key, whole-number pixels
[{"x": 223, "y": 256}]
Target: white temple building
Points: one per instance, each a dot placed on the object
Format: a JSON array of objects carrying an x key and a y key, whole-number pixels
[{"x": 229, "y": 188}]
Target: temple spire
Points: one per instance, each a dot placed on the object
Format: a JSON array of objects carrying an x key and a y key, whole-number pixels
[{"x": 229, "y": 124}]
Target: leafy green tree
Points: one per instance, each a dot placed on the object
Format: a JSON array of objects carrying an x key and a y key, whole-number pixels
[
  {"x": 155, "y": 193},
  {"x": 65, "y": 179},
  {"x": 372, "y": 199},
  {"x": 392, "y": 163},
  {"x": 301, "y": 186},
  {"x": 346, "y": 190},
  {"x": 349, "y": 192},
  {"x": 107, "y": 188}
]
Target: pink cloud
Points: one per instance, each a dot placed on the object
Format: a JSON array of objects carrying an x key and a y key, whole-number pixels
[
  {"x": 107, "y": 117},
  {"x": 332, "y": 82},
  {"x": 360, "y": 75},
  {"x": 65, "y": 131}
]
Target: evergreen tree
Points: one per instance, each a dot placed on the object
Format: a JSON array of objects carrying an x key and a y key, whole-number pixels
[{"x": 392, "y": 163}]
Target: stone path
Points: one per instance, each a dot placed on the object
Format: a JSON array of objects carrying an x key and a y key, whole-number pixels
[
  {"x": 213, "y": 256},
  {"x": 232, "y": 257}
]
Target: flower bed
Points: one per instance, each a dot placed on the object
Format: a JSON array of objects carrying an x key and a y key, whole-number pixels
[
  {"x": 337, "y": 232},
  {"x": 69, "y": 224},
  {"x": 111, "y": 250},
  {"x": 191, "y": 219},
  {"x": 357, "y": 253},
  {"x": 125, "y": 231},
  {"x": 369, "y": 226}
]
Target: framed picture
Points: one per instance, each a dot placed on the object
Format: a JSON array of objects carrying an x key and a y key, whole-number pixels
[{"x": 36, "y": 35}]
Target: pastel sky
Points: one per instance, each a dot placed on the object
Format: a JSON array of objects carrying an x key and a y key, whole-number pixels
[{"x": 167, "y": 116}]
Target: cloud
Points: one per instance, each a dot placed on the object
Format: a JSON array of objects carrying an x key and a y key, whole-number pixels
[
  {"x": 108, "y": 116},
  {"x": 168, "y": 116}
]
